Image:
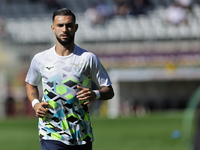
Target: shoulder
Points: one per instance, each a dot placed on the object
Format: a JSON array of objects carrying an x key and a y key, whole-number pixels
[
  {"x": 84, "y": 53},
  {"x": 42, "y": 54}
]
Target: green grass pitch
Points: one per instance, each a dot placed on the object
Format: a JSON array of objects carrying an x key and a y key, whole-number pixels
[{"x": 153, "y": 132}]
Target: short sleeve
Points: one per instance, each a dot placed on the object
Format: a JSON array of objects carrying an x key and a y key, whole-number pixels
[
  {"x": 33, "y": 76},
  {"x": 98, "y": 73}
]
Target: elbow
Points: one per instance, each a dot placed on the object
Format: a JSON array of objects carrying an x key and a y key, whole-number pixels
[
  {"x": 107, "y": 93},
  {"x": 112, "y": 94}
]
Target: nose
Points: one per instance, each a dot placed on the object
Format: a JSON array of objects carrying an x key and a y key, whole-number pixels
[{"x": 65, "y": 29}]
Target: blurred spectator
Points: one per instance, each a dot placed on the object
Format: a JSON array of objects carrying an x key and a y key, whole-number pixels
[
  {"x": 140, "y": 7},
  {"x": 10, "y": 106},
  {"x": 175, "y": 14},
  {"x": 125, "y": 9},
  {"x": 187, "y": 4},
  {"x": 93, "y": 15},
  {"x": 10, "y": 103},
  {"x": 105, "y": 9},
  {"x": 100, "y": 11},
  {"x": 2, "y": 27},
  {"x": 117, "y": 5},
  {"x": 52, "y": 4},
  {"x": 121, "y": 7},
  {"x": 132, "y": 7}
]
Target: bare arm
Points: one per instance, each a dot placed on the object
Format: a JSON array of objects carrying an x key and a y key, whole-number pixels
[
  {"x": 33, "y": 93},
  {"x": 87, "y": 94}
]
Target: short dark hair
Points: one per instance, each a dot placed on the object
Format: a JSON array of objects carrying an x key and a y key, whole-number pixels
[{"x": 63, "y": 12}]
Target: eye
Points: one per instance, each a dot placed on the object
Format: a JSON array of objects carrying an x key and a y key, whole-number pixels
[
  {"x": 60, "y": 25},
  {"x": 69, "y": 25}
]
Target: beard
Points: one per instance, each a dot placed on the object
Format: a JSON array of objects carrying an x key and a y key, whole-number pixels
[{"x": 65, "y": 42}]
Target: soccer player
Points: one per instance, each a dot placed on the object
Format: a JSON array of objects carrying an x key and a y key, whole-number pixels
[{"x": 66, "y": 72}]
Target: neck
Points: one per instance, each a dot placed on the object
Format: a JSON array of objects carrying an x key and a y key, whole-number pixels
[{"x": 64, "y": 50}]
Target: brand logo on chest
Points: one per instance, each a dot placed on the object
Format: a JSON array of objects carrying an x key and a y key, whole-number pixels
[{"x": 49, "y": 68}]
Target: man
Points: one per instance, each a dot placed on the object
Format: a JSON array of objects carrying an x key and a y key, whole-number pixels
[{"x": 66, "y": 71}]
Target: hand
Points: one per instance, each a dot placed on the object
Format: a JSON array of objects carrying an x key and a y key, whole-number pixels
[
  {"x": 85, "y": 94},
  {"x": 41, "y": 109}
]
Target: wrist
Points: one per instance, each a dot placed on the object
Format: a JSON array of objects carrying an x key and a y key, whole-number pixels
[
  {"x": 97, "y": 93},
  {"x": 35, "y": 101}
]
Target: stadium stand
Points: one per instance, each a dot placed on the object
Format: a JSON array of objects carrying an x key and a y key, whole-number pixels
[
  {"x": 23, "y": 15},
  {"x": 138, "y": 43}
]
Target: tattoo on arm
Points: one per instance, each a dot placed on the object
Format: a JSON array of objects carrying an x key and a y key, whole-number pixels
[{"x": 35, "y": 93}]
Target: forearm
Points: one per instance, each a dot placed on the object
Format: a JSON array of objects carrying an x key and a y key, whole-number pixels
[
  {"x": 40, "y": 108},
  {"x": 32, "y": 92},
  {"x": 106, "y": 93}
]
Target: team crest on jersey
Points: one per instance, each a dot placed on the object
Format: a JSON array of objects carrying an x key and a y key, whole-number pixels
[{"x": 77, "y": 66}]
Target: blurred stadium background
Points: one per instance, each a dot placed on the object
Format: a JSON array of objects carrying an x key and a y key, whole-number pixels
[{"x": 151, "y": 50}]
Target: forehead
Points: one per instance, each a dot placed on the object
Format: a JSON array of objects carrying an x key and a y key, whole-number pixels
[{"x": 63, "y": 19}]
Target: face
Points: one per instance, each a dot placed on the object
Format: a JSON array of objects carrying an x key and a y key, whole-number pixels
[{"x": 64, "y": 28}]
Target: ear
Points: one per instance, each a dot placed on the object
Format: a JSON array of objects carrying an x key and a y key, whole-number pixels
[
  {"x": 53, "y": 28},
  {"x": 76, "y": 27}
]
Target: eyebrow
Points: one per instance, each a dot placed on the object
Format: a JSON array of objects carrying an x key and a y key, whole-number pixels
[{"x": 69, "y": 23}]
